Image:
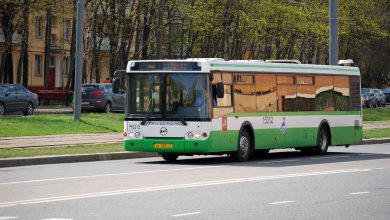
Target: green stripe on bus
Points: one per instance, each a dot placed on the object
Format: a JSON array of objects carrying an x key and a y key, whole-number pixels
[
  {"x": 226, "y": 141},
  {"x": 285, "y": 67},
  {"x": 244, "y": 114}
]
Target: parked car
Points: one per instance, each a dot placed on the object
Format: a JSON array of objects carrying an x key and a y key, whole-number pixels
[
  {"x": 100, "y": 97},
  {"x": 387, "y": 94},
  {"x": 380, "y": 97},
  {"x": 369, "y": 98},
  {"x": 14, "y": 98}
]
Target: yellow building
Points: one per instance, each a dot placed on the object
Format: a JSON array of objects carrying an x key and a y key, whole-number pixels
[{"x": 61, "y": 35}]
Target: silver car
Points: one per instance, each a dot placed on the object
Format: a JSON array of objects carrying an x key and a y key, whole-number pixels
[
  {"x": 15, "y": 98},
  {"x": 100, "y": 97}
]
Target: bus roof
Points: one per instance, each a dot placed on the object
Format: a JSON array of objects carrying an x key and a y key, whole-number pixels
[{"x": 251, "y": 66}]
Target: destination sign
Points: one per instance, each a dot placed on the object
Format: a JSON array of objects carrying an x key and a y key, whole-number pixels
[{"x": 167, "y": 66}]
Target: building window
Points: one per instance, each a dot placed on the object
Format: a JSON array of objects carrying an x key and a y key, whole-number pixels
[
  {"x": 38, "y": 65},
  {"x": 38, "y": 27},
  {"x": 53, "y": 21},
  {"x": 67, "y": 29},
  {"x": 52, "y": 60},
  {"x": 53, "y": 39}
]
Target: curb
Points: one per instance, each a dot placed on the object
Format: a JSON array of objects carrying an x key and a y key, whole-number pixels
[{"x": 11, "y": 162}]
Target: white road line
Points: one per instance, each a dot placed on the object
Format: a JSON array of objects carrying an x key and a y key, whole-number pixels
[
  {"x": 57, "y": 219},
  {"x": 277, "y": 161},
  {"x": 366, "y": 154},
  {"x": 177, "y": 186},
  {"x": 112, "y": 174},
  {"x": 282, "y": 202},
  {"x": 320, "y": 158},
  {"x": 186, "y": 214},
  {"x": 8, "y": 217},
  {"x": 357, "y": 193}
]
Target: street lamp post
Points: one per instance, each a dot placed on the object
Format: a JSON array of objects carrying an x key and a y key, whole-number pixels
[
  {"x": 79, "y": 59},
  {"x": 333, "y": 32}
]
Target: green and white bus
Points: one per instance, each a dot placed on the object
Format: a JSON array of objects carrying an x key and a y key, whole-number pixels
[{"x": 239, "y": 107}]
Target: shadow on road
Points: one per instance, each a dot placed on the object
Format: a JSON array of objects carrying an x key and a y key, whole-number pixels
[{"x": 279, "y": 159}]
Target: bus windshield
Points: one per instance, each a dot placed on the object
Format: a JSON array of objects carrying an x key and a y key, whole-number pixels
[{"x": 170, "y": 96}]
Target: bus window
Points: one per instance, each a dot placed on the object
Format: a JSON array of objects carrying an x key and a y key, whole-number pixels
[
  {"x": 266, "y": 93},
  {"x": 287, "y": 98},
  {"x": 285, "y": 80},
  {"x": 341, "y": 93},
  {"x": 244, "y": 93},
  {"x": 306, "y": 97},
  {"x": 324, "y": 93}
]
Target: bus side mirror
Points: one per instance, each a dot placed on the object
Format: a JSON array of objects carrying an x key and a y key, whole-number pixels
[
  {"x": 116, "y": 83},
  {"x": 220, "y": 90}
]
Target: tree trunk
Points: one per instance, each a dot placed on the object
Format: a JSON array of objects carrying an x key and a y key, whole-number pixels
[{"x": 47, "y": 45}]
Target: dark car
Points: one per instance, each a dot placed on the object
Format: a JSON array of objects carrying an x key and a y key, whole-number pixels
[
  {"x": 369, "y": 98},
  {"x": 15, "y": 98},
  {"x": 100, "y": 97},
  {"x": 387, "y": 94},
  {"x": 380, "y": 97}
]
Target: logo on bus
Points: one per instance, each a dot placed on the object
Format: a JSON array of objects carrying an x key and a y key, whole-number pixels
[
  {"x": 163, "y": 131},
  {"x": 283, "y": 127}
]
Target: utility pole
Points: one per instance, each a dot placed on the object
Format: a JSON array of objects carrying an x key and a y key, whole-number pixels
[
  {"x": 160, "y": 29},
  {"x": 333, "y": 32},
  {"x": 79, "y": 59}
]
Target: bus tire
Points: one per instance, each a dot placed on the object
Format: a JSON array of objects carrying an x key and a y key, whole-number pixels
[
  {"x": 323, "y": 141},
  {"x": 170, "y": 157},
  {"x": 244, "y": 150}
]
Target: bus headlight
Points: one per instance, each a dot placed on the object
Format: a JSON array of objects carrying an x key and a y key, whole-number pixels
[
  {"x": 134, "y": 135},
  {"x": 197, "y": 135}
]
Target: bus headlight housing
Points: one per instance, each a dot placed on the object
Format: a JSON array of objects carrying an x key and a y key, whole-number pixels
[
  {"x": 134, "y": 135},
  {"x": 196, "y": 135}
]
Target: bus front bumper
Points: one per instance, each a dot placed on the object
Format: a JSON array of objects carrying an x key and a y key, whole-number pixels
[{"x": 180, "y": 146}]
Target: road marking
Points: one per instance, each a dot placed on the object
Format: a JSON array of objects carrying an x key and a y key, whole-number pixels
[
  {"x": 282, "y": 202},
  {"x": 112, "y": 174},
  {"x": 357, "y": 193},
  {"x": 186, "y": 214},
  {"x": 8, "y": 217},
  {"x": 57, "y": 219},
  {"x": 366, "y": 154},
  {"x": 177, "y": 186},
  {"x": 320, "y": 158},
  {"x": 277, "y": 161}
]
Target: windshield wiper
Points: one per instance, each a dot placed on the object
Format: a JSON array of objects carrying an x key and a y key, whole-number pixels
[
  {"x": 150, "y": 112},
  {"x": 181, "y": 118}
]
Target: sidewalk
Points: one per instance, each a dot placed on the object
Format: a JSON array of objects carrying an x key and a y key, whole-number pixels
[{"x": 60, "y": 140}]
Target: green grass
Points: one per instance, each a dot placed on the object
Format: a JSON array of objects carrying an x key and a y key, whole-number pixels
[
  {"x": 376, "y": 114},
  {"x": 377, "y": 133},
  {"x": 50, "y": 151},
  {"x": 13, "y": 126}
]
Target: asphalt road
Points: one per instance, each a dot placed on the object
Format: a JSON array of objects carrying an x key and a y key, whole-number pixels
[{"x": 351, "y": 183}]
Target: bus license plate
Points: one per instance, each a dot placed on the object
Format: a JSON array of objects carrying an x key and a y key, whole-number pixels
[{"x": 162, "y": 145}]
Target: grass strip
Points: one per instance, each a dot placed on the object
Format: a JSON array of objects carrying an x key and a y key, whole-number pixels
[
  {"x": 51, "y": 124},
  {"x": 65, "y": 150},
  {"x": 376, "y": 114},
  {"x": 377, "y": 133}
]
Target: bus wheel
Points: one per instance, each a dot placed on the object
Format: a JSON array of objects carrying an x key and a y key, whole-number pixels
[
  {"x": 169, "y": 156},
  {"x": 323, "y": 141},
  {"x": 244, "y": 147}
]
